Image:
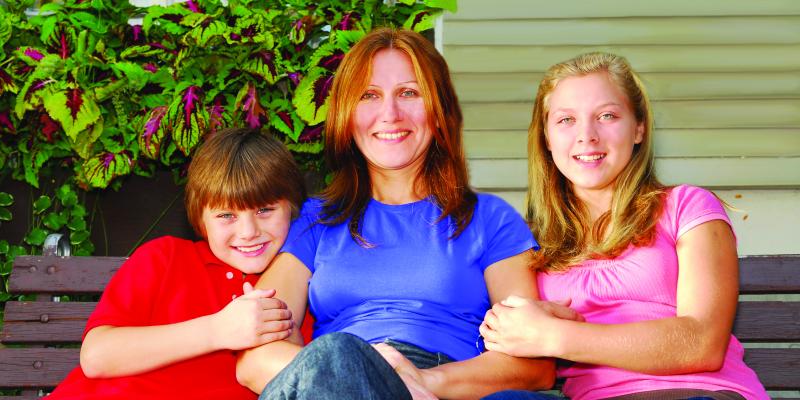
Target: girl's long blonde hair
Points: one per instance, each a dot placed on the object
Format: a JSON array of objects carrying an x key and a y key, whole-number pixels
[{"x": 558, "y": 219}]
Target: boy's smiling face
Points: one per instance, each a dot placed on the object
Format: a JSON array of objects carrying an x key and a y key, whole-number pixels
[{"x": 247, "y": 239}]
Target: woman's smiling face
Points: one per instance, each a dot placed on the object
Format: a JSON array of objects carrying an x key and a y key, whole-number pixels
[{"x": 391, "y": 124}]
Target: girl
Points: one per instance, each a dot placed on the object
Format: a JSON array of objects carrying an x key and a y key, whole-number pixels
[{"x": 653, "y": 269}]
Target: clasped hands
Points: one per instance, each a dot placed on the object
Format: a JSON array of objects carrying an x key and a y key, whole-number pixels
[{"x": 524, "y": 327}]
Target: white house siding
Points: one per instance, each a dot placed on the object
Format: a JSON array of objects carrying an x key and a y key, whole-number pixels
[{"x": 724, "y": 78}]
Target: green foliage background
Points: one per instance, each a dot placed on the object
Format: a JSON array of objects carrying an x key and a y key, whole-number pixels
[{"x": 89, "y": 95}]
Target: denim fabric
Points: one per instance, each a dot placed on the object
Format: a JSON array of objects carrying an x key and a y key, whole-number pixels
[
  {"x": 337, "y": 366},
  {"x": 421, "y": 358},
  {"x": 521, "y": 395}
]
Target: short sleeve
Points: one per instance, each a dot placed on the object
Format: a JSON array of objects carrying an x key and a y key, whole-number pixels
[
  {"x": 690, "y": 206},
  {"x": 131, "y": 294},
  {"x": 506, "y": 233},
  {"x": 304, "y": 234}
]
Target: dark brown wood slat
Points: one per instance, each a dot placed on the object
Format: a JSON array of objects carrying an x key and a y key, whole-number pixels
[
  {"x": 19, "y": 397},
  {"x": 36, "y": 367},
  {"x": 769, "y": 274},
  {"x": 778, "y": 369},
  {"x": 40, "y": 322},
  {"x": 63, "y": 275},
  {"x": 775, "y": 321}
]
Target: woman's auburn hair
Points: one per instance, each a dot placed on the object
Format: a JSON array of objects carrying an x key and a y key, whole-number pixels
[
  {"x": 443, "y": 175},
  {"x": 241, "y": 168},
  {"x": 558, "y": 219}
]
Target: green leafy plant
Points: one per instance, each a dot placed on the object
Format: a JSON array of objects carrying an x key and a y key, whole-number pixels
[{"x": 92, "y": 91}]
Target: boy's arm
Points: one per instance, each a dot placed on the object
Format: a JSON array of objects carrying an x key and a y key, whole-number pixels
[
  {"x": 257, "y": 366},
  {"x": 250, "y": 320}
]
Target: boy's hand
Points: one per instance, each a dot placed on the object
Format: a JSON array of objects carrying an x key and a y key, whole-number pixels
[{"x": 251, "y": 320}]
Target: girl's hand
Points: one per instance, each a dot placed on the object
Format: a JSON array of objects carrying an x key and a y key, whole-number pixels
[
  {"x": 524, "y": 327},
  {"x": 409, "y": 373},
  {"x": 251, "y": 320}
]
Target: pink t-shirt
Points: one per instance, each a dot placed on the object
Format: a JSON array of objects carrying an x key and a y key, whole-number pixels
[{"x": 640, "y": 285}]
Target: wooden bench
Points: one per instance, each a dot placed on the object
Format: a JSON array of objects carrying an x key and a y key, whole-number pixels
[{"x": 35, "y": 332}]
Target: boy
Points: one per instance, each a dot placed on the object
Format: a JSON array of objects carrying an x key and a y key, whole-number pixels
[{"x": 172, "y": 317}]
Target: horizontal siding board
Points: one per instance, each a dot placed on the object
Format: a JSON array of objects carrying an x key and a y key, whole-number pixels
[
  {"x": 707, "y": 58},
  {"x": 529, "y": 9},
  {"x": 626, "y": 31},
  {"x": 668, "y": 143},
  {"x": 521, "y": 87},
  {"x": 773, "y": 113},
  {"x": 505, "y": 174}
]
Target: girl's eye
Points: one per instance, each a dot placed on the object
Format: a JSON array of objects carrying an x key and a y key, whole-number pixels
[{"x": 607, "y": 116}]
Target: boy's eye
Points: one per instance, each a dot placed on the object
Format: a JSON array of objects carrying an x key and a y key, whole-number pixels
[
  {"x": 225, "y": 215},
  {"x": 264, "y": 210}
]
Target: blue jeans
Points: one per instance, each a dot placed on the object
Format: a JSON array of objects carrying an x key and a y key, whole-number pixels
[
  {"x": 520, "y": 395},
  {"x": 342, "y": 366}
]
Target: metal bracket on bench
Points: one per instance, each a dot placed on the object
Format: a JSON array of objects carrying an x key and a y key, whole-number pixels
[{"x": 56, "y": 244}]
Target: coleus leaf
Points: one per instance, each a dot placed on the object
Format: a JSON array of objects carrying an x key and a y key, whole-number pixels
[
  {"x": 247, "y": 103},
  {"x": 311, "y": 96},
  {"x": 145, "y": 50},
  {"x": 101, "y": 169},
  {"x": 154, "y": 132},
  {"x": 7, "y": 82},
  {"x": 5, "y": 123},
  {"x": 31, "y": 163},
  {"x": 5, "y": 28},
  {"x": 264, "y": 64},
  {"x": 421, "y": 20},
  {"x": 217, "y": 117},
  {"x": 27, "y": 97},
  {"x": 188, "y": 118},
  {"x": 287, "y": 123},
  {"x": 203, "y": 33},
  {"x": 136, "y": 74},
  {"x": 308, "y": 148},
  {"x": 75, "y": 109},
  {"x": 84, "y": 143}
]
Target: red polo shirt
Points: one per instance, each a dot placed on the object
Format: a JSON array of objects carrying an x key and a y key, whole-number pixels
[{"x": 165, "y": 281}]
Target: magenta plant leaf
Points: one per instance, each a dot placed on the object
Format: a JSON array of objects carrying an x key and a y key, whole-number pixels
[
  {"x": 153, "y": 132},
  {"x": 99, "y": 170},
  {"x": 263, "y": 64},
  {"x": 187, "y": 117},
  {"x": 7, "y": 82},
  {"x": 247, "y": 103}
]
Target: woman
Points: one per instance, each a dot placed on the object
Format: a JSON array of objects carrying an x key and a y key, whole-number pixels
[
  {"x": 388, "y": 251},
  {"x": 653, "y": 269}
]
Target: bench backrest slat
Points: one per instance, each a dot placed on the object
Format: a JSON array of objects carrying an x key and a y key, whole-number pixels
[
  {"x": 42, "y": 322},
  {"x": 62, "y": 275},
  {"x": 769, "y": 274}
]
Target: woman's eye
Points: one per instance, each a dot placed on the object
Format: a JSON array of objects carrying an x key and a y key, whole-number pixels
[
  {"x": 566, "y": 120},
  {"x": 368, "y": 96},
  {"x": 408, "y": 93}
]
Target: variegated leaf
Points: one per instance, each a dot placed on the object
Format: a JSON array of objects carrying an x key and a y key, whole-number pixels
[
  {"x": 249, "y": 108},
  {"x": 73, "y": 108},
  {"x": 101, "y": 169},
  {"x": 311, "y": 97},
  {"x": 7, "y": 82},
  {"x": 264, "y": 64},
  {"x": 187, "y": 117},
  {"x": 287, "y": 123},
  {"x": 84, "y": 142},
  {"x": 153, "y": 132}
]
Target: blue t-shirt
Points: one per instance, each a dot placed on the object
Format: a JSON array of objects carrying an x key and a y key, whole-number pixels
[{"x": 414, "y": 285}]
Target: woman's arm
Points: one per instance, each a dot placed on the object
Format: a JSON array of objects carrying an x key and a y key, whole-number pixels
[
  {"x": 257, "y": 366},
  {"x": 491, "y": 371},
  {"x": 250, "y": 320},
  {"x": 694, "y": 340}
]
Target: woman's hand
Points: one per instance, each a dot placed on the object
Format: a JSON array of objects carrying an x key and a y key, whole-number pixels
[
  {"x": 523, "y": 327},
  {"x": 409, "y": 373}
]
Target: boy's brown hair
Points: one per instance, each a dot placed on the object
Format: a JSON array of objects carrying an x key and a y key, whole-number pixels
[{"x": 241, "y": 168}]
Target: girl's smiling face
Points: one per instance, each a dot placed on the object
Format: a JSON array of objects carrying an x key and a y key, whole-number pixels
[{"x": 591, "y": 130}]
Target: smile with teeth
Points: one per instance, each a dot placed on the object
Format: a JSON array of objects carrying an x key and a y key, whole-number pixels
[
  {"x": 392, "y": 135},
  {"x": 592, "y": 157},
  {"x": 250, "y": 249}
]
